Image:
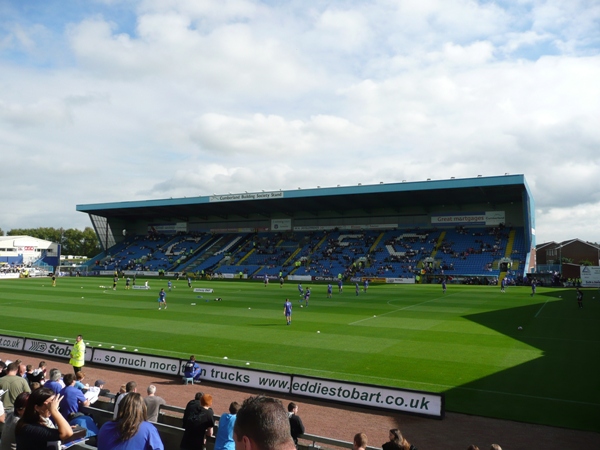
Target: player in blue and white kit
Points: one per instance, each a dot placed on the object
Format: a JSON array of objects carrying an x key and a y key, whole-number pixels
[
  {"x": 329, "y": 290},
  {"x": 366, "y": 285},
  {"x": 444, "y": 285},
  {"x": 357, "y": 288},
  {"x": 503, "y": 285},
  {"x": 533, "y": 286},
  {"x": 306, "y": 296},
  {"x": 287, "y": 310},
  {"x": 162, "y": 298},
  {"x": 266, "y": 280},
  {"x": 170, "y": 285},
  {"x": 189, "y": 282},
  {"x": 300, "y": 290},
  {"x": 340, "y": 285}
]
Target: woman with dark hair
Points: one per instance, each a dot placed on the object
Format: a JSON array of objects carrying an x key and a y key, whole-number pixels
[
  {"x": 8, "y": 434},
  {"x": 130, "y": 430},
  {"x": 35, "y": 429},
  {"x": 397, "y": 442}
]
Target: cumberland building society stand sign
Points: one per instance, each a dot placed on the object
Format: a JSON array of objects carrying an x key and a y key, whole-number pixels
[{"x": 250, "y": 196}]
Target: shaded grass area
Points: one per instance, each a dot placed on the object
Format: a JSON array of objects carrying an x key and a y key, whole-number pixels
[{"x": 464, "y": 343}]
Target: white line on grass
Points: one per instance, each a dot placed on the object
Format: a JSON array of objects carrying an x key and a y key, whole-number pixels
[
  {"x": 396, "y": 310},
  {"x": 540, "y": 310}
]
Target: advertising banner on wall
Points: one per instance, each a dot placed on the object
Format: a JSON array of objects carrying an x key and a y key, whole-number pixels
[
  {"x": 415, "y": 402},
  {"x": 590, "y": 276},
  {"x": 488, "y": 218},
  {"x": 148, "y": 363},
  {"x": 59, "y": 349},
  {"x": 400, "y": 280},
  {"x": 11, "y": 343},
  {"x": 281, "y": 224},
  {"x": 361, "y": 395},
  {"x": 242, "y": 377}
]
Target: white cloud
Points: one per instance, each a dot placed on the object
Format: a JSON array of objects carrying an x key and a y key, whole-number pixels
[{"x": 195, "y": 97}]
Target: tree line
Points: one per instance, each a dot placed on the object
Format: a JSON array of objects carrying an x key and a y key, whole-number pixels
[{"x": 72, "y": 241}]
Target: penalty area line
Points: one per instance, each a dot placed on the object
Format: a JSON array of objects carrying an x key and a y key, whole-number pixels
[
  {"x": 396, "y": 310},
  {"x": 540, "y": 310}
]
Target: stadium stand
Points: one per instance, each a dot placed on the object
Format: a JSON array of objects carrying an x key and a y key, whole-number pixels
[{"x": 459, "y": 251}]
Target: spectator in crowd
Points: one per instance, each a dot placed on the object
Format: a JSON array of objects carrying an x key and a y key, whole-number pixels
[
  {"x": 40, "y": 373},
  {"x": 29, "y": 373},
  {"x": 130, "y": 387},
  {"x": 192, "y": 369},
  {"x": 13, "y": 385},
  {"x": 262, "y": 423},
  {"x": 8, "y": 441},
  {"x": 296, "y": 425},
  {"x": 495, "y": 447},
  {"x": 130, "y": 430},
  {"x": 35, "y": 429},
  {"x": 54, "y": 382},
  {"x": 397, "y": 441},
  {"x": 360, "y": 441},
  {"x": 153, "y": 403},
  {"x": 122, "y": 390},
  {"x": 100, "y": 385},
  {"x": 472, "y": 447},
  {"x": 224, "y": 439},
  {"x": 22, "y": 370},
  {"x": 78, "y": 354},
  {"x": 79, "y": 377},
  {"x": 72, "y": 398},
  {"x": 198, "y": 422}
]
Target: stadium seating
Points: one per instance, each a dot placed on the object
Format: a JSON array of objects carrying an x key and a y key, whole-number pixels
[{"x": 407, "y": 252}]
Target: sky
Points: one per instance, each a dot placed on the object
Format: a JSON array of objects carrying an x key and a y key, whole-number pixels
[{"x": 117, "y": 100}]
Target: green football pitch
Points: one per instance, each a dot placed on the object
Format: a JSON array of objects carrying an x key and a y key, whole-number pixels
[{"x": 465, "y": 343}]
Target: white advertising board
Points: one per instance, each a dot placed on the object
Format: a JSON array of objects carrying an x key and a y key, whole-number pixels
[
  {"x": 400, "y": 280},
  {"x": 489, "y": 218},
  {"x": 590, "y": 276},
  {"x": 242, "y": 377},
  {"x": 281, "y": 224},
  {"x": 137, "y": 361},
  {"x": 59, "y": 349},
  {"x": 11, "y": 343},
  {"x": 415, "y": 402},
  {"x": 9, "y": 275}
]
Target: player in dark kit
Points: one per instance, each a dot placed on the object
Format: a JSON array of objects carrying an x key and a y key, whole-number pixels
[
  {"x": 579, "y": 298},
  {"x": 162, "y": 298}
]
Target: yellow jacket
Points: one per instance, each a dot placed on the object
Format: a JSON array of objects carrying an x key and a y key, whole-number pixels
[{"x": 78, "y": 354}]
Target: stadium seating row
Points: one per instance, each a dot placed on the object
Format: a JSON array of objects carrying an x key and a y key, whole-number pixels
[{"x": 367, "y": 253}]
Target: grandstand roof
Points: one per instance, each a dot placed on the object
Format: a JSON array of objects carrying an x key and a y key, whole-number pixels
[{"x": 423, "y": 194}]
